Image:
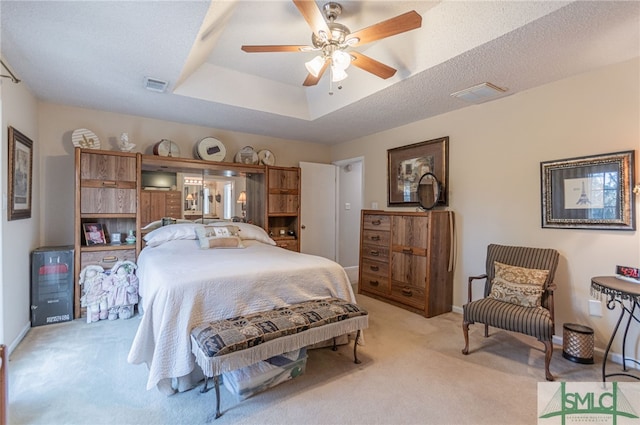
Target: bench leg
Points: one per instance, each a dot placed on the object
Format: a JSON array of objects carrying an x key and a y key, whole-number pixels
[
  {"x": 355, "y": 348},
  {"x": 335, "y": 344},
  {"x": 216, "y": 380},
  {"x": 216, "y": 384},
  {"x": 204, "y": 387}
]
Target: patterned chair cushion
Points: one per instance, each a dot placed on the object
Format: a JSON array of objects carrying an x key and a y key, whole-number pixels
[
  {"x": 535, "y": 322},
  {"x": 228, "y": 335}
]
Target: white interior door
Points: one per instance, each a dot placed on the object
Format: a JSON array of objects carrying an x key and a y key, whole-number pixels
[{"x": 318, "y": 209}]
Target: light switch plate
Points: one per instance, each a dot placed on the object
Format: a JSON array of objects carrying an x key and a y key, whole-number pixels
[{"x": 595, "y": 308}]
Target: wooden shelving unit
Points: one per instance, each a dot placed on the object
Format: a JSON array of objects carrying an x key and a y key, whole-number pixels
[{"x": 107, "y": 186}]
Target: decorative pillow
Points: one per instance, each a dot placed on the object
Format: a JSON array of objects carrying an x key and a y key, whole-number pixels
[
  {"x": 518, "y": 285},
  {"x": 172, "y": 232},
  {"x": 250, "y": 232},
  {"x": 218, "y": 237}
]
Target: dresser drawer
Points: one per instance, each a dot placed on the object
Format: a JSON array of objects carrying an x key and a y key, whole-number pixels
[
  {"x": 376, "y": 237},
  {"x": 376, "y": 222},
  {"x": 408, "y": 294},
  {"x": 173, "y": 211},
  {"x": 373, "y": 283},
  {"x": 374, "y": 252},
  {"x": 290, "y": 244},
  {"x": 377, "y": 268},
  {"x": 106, "y": 259}
]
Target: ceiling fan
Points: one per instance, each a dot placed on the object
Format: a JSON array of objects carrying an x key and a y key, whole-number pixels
[{"x": 332, "y": 40}]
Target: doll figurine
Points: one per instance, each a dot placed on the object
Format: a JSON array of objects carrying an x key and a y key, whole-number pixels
[{"x": 94, "y": 296}]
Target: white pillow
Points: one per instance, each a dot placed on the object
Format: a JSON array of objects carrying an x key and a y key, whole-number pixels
[
  {"x": 249, "y": 232},
  {"x": 171, "y": 232}
]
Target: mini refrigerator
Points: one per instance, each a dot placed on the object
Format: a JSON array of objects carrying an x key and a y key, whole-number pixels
[{"x": 51, "y": 285}]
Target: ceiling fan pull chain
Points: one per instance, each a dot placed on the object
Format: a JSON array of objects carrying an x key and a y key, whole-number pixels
[{"x": 330, "y": 81}]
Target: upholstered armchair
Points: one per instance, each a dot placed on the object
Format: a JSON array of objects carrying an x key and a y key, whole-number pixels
[{"x": 518, "y": 295}]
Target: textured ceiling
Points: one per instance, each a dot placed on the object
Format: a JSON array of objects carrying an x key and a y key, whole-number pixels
[{"x": 95, "y": 54}]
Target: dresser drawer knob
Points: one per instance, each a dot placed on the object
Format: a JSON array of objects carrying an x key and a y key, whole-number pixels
[
  {"x": 374, "y": 253},
  {"x": 376, "y": 222},
  {"x": 407, "y": 292},
  {"x": 109, "y": 183},
  {"x": 374, "y": 283},
  {"x": 374, "y": 268},
  {"x": 375, "y": 238},
  {"x": 407, "y": 250}
]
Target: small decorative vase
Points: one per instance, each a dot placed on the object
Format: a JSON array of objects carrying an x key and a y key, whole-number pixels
[{"x": 131, "y": 239}]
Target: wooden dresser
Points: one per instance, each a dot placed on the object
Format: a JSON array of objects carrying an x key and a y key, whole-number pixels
[
  {"x": 404, "y": 259},
  {"x": 155, "y": 204}
]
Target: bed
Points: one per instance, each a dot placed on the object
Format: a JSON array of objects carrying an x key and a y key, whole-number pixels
[{"x": 182, "y": 285}]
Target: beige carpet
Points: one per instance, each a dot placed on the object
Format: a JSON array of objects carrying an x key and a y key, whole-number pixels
[{"x": 412, "y": 372}]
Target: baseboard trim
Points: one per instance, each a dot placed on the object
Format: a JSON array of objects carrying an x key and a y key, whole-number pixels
[
  {"x": 352, "y": 274},
  {"x": 19, "y": 338},
  {"x": 558, "y": 341}
]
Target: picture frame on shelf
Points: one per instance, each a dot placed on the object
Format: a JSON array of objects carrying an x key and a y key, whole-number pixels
[
  {"x": 589, "y": 192},
  {"x": 20, "y": 175},
  {"x": 405, "y": 166},
  {"x": 93, "y": 234}
]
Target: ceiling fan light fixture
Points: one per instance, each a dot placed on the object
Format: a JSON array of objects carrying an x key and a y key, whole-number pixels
[
  {"x": 314, "y": 66},
  {"x": 351, "y": 41},
  {"x": 337, "y": 74},
  {"x": 341, "y": 59}
]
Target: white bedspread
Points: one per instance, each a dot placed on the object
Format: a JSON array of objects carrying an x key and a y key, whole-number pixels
[{"x": 182, "y": 285}]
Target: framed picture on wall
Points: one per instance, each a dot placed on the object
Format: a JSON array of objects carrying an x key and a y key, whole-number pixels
[
  {"x": 20, "y": 175},
  {"x": 405, "y": 166},
  {"x": 591, "y": 192}
]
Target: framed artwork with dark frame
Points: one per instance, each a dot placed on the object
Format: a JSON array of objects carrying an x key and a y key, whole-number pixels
[
  {"x": 20, "y": 175},
  {"x": 591, "y": 192},
  {"x": 405, "y": 166}
]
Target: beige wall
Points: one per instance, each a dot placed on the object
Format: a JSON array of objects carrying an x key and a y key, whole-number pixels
[
  {"x": 494, "y": 177},
  {"x": 495, "y": 154},
  {"x": 19, "y": 237},
  {"x": 57, "y": 123}
]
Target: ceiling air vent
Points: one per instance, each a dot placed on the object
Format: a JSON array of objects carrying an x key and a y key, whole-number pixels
[
  {"x": 156, "y": 85},
  {"x": 480, "y": 93}
]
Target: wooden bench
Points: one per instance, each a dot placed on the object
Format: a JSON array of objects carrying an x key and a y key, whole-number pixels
[{"x": 228, "y": 344}]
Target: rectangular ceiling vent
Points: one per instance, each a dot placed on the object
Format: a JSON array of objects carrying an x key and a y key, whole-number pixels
[
  {"x": 156, "y": 85},
  {"x": 480, "y": 93}
]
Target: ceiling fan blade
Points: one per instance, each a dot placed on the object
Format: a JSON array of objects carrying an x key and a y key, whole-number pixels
[
  {"x": 401, "y": 23},
  {"x": 371, "y": 65},
  {"x": 272, "y": 48},
  {"x": 314, "y": 17},
  {"x": 311, "y": 80}
]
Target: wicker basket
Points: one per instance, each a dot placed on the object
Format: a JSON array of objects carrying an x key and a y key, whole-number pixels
[{"x": 577, "y": 343}]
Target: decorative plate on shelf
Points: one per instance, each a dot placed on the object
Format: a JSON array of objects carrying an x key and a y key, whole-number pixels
[
  {"x": 211, "y": 149},
  {"x": 246, "y": 155},
  {"x": 86, "y": 139},
  {"x": 266, "y": 157},
  {"x": 166, "y": 147}
]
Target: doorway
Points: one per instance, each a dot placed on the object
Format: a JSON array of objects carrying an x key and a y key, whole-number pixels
[{"x": 332, "y": 198}]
